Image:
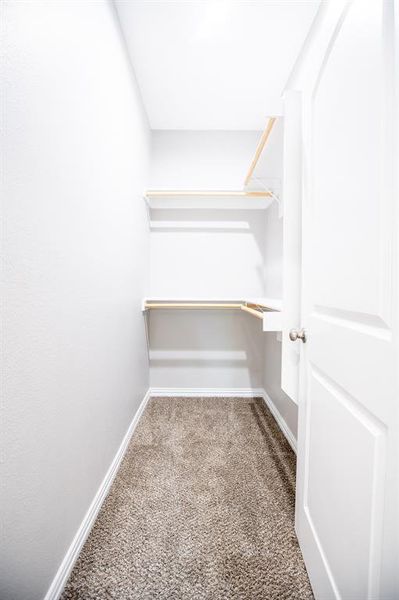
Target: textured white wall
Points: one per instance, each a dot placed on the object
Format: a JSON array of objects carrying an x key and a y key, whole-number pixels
[{"x": 75, "y": 246}]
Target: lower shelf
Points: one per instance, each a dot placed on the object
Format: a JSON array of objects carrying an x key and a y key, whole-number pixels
[{"x": 268, "y": 310}]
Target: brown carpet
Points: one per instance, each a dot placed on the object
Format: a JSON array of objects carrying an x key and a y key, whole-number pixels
[{"x": 202, "y": 508}]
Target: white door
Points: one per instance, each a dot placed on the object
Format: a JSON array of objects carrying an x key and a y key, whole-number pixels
[{"x": 347, "y": 477}]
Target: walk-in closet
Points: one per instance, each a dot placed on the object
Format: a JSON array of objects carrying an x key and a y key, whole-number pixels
[{"x": 200, "y": 300}]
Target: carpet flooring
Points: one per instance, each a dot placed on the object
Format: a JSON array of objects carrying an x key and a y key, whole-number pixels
[{"x": 201, "y": 508}]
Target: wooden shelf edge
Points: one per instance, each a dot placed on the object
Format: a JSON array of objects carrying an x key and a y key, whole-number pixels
[
  {"x": 258, "y": 304},
  {"x": 208, "y": 193}
]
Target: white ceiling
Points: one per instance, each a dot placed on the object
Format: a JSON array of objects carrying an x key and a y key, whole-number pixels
[{"x": 213, "y": 64}]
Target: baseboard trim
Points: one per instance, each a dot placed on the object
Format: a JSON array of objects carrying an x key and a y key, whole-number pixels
[
  {"x": 280, "y": 421},
  {"x": 72, "y": 554},
  {"x": 206, "y": 392}
]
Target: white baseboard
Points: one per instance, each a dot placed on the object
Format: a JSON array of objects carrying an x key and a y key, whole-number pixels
[
  {"x": 230, "y": 393},
  {"x": 206, "y": 392},
  {"x": 280, "y": 420},
  {"x": 72, "y": 554}
]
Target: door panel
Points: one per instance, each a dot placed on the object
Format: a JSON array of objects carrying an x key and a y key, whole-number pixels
[
  {"x": 356, "y": 356},
  {"x": 346, "y": 455},
  {"x": 349, "y": 383},
  {"x": 350, "y": 231}
]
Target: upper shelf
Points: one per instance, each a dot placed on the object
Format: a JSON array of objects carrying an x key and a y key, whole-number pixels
[{"x": 209, "y": 199}]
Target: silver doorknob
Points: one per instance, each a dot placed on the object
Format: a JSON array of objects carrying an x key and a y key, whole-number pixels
[{"x": 297, "y": 334}]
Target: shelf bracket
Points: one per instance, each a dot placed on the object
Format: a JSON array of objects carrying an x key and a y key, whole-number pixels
[{"x": 273, "y": 186}]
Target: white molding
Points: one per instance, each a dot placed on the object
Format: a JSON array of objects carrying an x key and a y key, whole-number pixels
[
  {"x": 72, "y": 554},
  {"x": 230, "y": 393},
  {"x": 312, "y": 54},
  {"x": 206, "y": 392},
  {"x": 280, "y": 421}
]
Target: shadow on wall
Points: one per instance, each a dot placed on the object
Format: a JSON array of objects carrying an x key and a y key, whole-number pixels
[
  {"x": 205, "y": 349},
  {"x": 280, "y": 451}
]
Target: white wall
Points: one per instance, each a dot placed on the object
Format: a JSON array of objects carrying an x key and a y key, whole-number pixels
[
  {"x": 273, "y": 252},
  {"x": 274, "y": 289},
  {"x": 205, "y": 254},
  {"x": 201, "y": 159},
  {"x": 207, "y": 349},
  {"x": 75, "y": 248}
]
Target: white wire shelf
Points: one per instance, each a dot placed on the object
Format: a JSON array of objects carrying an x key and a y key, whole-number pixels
[{"x": 266, "y": 309}]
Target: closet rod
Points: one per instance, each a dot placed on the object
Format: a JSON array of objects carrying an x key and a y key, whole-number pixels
[{"x": 259, "y": 149}]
